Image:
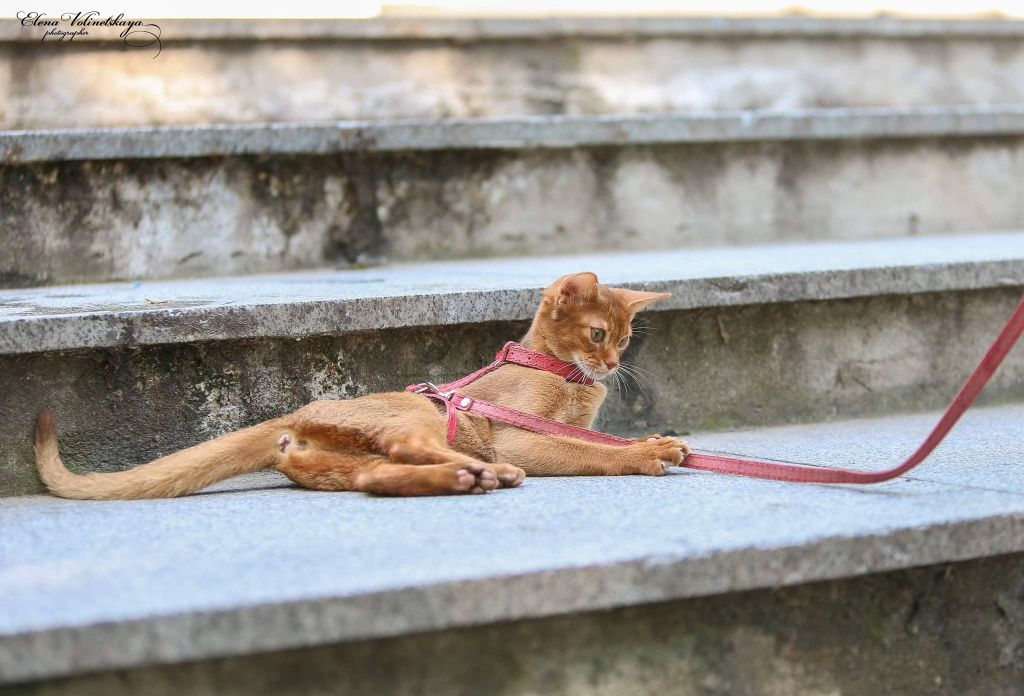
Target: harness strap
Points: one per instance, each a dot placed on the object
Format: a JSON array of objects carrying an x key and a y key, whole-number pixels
[
  {"x": 455, "y": 401},
  {"x": 516, "y": 354},
  {"x": 512, "y": 352}
]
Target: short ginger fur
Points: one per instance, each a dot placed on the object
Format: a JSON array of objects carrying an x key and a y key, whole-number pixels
[{"x": 394, "y": 443}]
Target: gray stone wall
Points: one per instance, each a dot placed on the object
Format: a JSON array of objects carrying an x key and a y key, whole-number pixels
[
  {"x": 318, "y": 78},
  {"x": 64, "y": 222}
]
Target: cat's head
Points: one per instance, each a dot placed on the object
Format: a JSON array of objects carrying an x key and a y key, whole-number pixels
[{"x": 587, "y": 323}]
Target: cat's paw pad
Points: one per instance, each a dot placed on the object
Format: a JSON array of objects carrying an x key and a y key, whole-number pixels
[
  {"x": 509, "y": 476},
  {"x": 464, "y": 480},
  {"x": 475, "y": 477}
]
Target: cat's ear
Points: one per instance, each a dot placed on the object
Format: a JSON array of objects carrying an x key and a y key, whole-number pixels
[
  {"x": 635, "y": 300},
  {"x": 570, "y": 287}
]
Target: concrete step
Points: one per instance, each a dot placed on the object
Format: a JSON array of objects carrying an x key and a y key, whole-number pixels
[
  {"x": 257, "y": 566},
  {"x": 85, "y": 206},
  {"x": 425, "y": 68},
  {"x": 751, "y": 336}
]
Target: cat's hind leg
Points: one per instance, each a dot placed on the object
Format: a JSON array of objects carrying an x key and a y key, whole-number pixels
[
  {"x": 388, "y": 478},
  {"x": 424, "y": 446},
  {"x": 323, "y": 470},
  {"x": 327, "y": 470}
]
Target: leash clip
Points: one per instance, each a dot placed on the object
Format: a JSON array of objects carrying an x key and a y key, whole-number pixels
[{"x": 431, "y": 388}]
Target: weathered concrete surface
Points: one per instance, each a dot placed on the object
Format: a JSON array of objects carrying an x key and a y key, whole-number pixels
[
  {"x": 274, "y": 567},
  {"x": 952, "y": 628},
  {"x": 517, "y": 133},
  {"x": 705, "y": 368},
  {"x": 441, "y": 294},
  {"x": 294, "y": 71},
  {"x": 90, "y": 221}
]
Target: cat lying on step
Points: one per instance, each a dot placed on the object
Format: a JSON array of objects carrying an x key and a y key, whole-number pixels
[{"x": 396, "y": 444}]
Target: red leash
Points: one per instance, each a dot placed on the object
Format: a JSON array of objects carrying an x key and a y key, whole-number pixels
[{"x": 454, "y": 401}]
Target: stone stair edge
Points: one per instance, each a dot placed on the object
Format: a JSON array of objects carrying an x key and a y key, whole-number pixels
[
  {"x": 334, "y": 616},
  {"x": 300, "y": 304},
  {"x": 521, "y": 132}
]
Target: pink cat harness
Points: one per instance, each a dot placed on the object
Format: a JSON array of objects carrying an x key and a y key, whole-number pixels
[{"x": 513, "y": 353}]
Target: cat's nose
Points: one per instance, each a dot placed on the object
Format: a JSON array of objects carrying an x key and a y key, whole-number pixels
[{"x": 611, "y": 364}]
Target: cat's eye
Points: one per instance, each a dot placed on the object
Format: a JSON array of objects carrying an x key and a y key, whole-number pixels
[
  {"x": 596, "y": 335},
  {"x": 623, "y": 342}
]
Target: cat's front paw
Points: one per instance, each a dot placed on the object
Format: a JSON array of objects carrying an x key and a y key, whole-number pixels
[
  {"x": 654, "y": 437},
  {"x": 656, "y": 454}
]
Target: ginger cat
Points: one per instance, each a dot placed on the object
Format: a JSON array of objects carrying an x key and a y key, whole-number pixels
[{"x": 395, "y": 443}]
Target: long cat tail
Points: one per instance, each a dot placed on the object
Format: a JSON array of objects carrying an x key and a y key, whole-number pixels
[{"x": 181, "y": 473}]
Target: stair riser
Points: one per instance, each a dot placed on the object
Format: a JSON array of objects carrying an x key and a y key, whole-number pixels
[
  {"x": 158, "y": 218},
  {"x": 302, "y": 80},
  {"x": 727, "y": 367}
]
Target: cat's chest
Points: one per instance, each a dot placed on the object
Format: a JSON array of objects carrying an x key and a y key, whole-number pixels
[
  {"x": 576, "y": 404},
  {"x": 541, "y": 393}
]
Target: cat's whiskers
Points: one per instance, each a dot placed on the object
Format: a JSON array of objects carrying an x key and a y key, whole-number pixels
[
  {"x": 632, "y": 369},
  {"x": 635, "y": 374},
  {"x": 639, "y": 370},
  {"x": 615, "y": 381},
  {"x": 588, "y": 371},
  {"x": 639, "y": 387},
  {"x": 643, "y": 327},
  {"x": 623, "y": 387}
]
